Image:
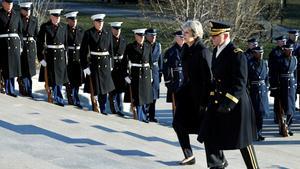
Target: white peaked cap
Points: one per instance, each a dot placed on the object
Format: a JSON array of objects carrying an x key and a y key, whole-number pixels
[
  {"x": 55, "y": 11},
  {"x": 25, "y": 4},
  {"x": 116, "y": 24},
  {"x": 140, "y": 31},
  {"x": 71, "y": 14},
  {"x": 98, "y": 16}
]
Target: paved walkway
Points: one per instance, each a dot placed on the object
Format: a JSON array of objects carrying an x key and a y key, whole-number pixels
[{"x": 36, "y": 134}]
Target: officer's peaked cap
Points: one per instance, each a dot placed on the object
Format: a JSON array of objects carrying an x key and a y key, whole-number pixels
[{"x": 218, "y": 27}]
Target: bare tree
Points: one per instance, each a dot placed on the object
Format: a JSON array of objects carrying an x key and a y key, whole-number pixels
[{"x": 248, "y": 18}]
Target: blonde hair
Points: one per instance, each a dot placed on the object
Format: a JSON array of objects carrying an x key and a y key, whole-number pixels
[{"x": 195, "y": 26}]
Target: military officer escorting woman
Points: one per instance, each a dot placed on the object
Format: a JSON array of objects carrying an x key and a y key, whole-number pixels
[
  {"x": 75, "y": 73},
  {"x": 51, "y": 52},
  {"x": 230, "y": 120},
  {"x": 28, "y": 55},
  {"x": 138, "y": 58},
  {"x": 95, "y": 56},
  {"x": 192, "y": 96},
  {"x": 11, "y": 44}
]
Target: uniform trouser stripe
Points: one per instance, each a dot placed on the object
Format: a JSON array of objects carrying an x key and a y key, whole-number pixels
[{"x": 249, "y": 157}]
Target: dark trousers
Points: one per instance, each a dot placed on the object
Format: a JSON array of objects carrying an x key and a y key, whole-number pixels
[
  {"x": 276, "y": 108},
  {"x": 141, "y": 111},
  {"x": 102, "y": 99},
  {"x": 259, "y": 121},
  {"x": 58, "y": 97},
  {"x": 215, "y": 158},
  {"x": 151, "y": 110},
  {"x": 75, "y": 95},
  {"x": 115, "y": 100},
  {"x": 184, "y": 141},
  {"x": 27, "y": 82},
  {"x": 10, "y": 86}
]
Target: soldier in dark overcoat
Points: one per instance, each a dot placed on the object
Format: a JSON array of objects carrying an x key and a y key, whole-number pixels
[
  {"x": 172, "y": 66},
  {"x": 252, "y": 43},
  {"x": 274, "y": 57},
  {"x": 51, "y": 52},
  {"x": 258, "y": 81},
  {"x": 119, "y": 46},
  {"x": 287, "y": 75},
  {"x": 192, "y": 97},
  {"x": 11, "y": 43},
  {"x": 157, "y": 62},
  {"x": 29, "y": 53},
  {"x": 138, "y": 58},
  {"x": 230, "y": 118},
  {"x": 96, "y": 59},
  {"x": 75, "y": 73}
]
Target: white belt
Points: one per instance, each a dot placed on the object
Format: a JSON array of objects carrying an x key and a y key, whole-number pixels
[
  {"x": 55, "y": 46},
  {"x": 140, "y": 65},
  {"x": 118, "y": 57},
  {"x": 73, "y": 47},
  {"x": 28, "y": 38},
  {"x": 8, "y": 35},
  {"x": 100, "y": 53}
]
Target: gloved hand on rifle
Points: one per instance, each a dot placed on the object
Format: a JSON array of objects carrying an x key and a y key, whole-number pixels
[
  {"x": 127, "y": 80},
  {"x": 87, "y": 71},
  {"x": 43, "y": 63}
]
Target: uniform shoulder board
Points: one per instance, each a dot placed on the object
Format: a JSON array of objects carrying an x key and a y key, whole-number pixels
[{"x": 237, "y": 50}]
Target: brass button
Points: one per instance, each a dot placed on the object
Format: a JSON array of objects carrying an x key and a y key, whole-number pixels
[
  {"x": 8, "y": 38},
  {"x": 216, "y": 102},
  {"x": 105, "y": 66},
  {"x": 98, "y": 57},
  {"x": 54, "y": 50},
  {"x": 99, "y": 66},
  {"x": 55, "y": 58}
]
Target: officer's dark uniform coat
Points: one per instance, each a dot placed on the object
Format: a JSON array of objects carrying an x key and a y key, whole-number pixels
[
  {"x": 192, "y": 97},
  {"x": 100, "y": 66},
  {"x": 28, "y": 56},
  {"x": 140, "y": 76},
  {"x": 172, "y": 70},
  {"x": 75, "y": 73},
  {"x": 234, "y": 129},
  {"x": 274, "y": 58},
  {"x": 10, "y": 47},
  {"x": 258, "y": 85},
  {"x": 157, "y": 62},
  {"x": 118, "y": 71},
  {"x": 55, "y": 58},
  {"x": 287, "y": 73}
]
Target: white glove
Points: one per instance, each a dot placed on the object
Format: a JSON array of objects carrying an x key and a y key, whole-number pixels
[
  {"x": 87, "y": 71},
  {"x": 43, "y": 63},
  {"x": 127, "y": 79}
]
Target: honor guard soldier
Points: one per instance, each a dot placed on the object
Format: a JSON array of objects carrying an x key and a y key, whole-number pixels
[
  {"x": 95, "y": 56},
  {"x": 258, "y": 79},
  {"x": 51, "y": 48},
  {"x": 119, "y": 46},
  {"x": 293, "y": 39},
  {"x": 11, "y": 42},
  {"x": 252, "y": 43},
  {"x": 138, "y": 57},
  {"x": 192, "y": 96},
  {"x": 75, "y": 73},
  {"x": 287, "y": 84},
  {"x": 28, "y": 55},
  {"x": 230, "y": 123},
  {"x": 172, "y": 68},
  {"x": 156, "y": 58},
  {"x": 274, "y": 57}
]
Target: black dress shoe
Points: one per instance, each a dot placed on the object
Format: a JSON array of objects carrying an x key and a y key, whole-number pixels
[
  {"x": 13, "y": 95},
  {"x": 260, "y": 138},
  {"x": 60, "y": 104},
  {"x": 188, "y": 161},
  {"x": 104, "y": 113},
  {"x": 145, "y": 121},
  {"x": 78, "y": 106},
  {"x": 153, "y": 120},
  {"x": 291, "y": 133},
  {"x": 120, "y": 114}
]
